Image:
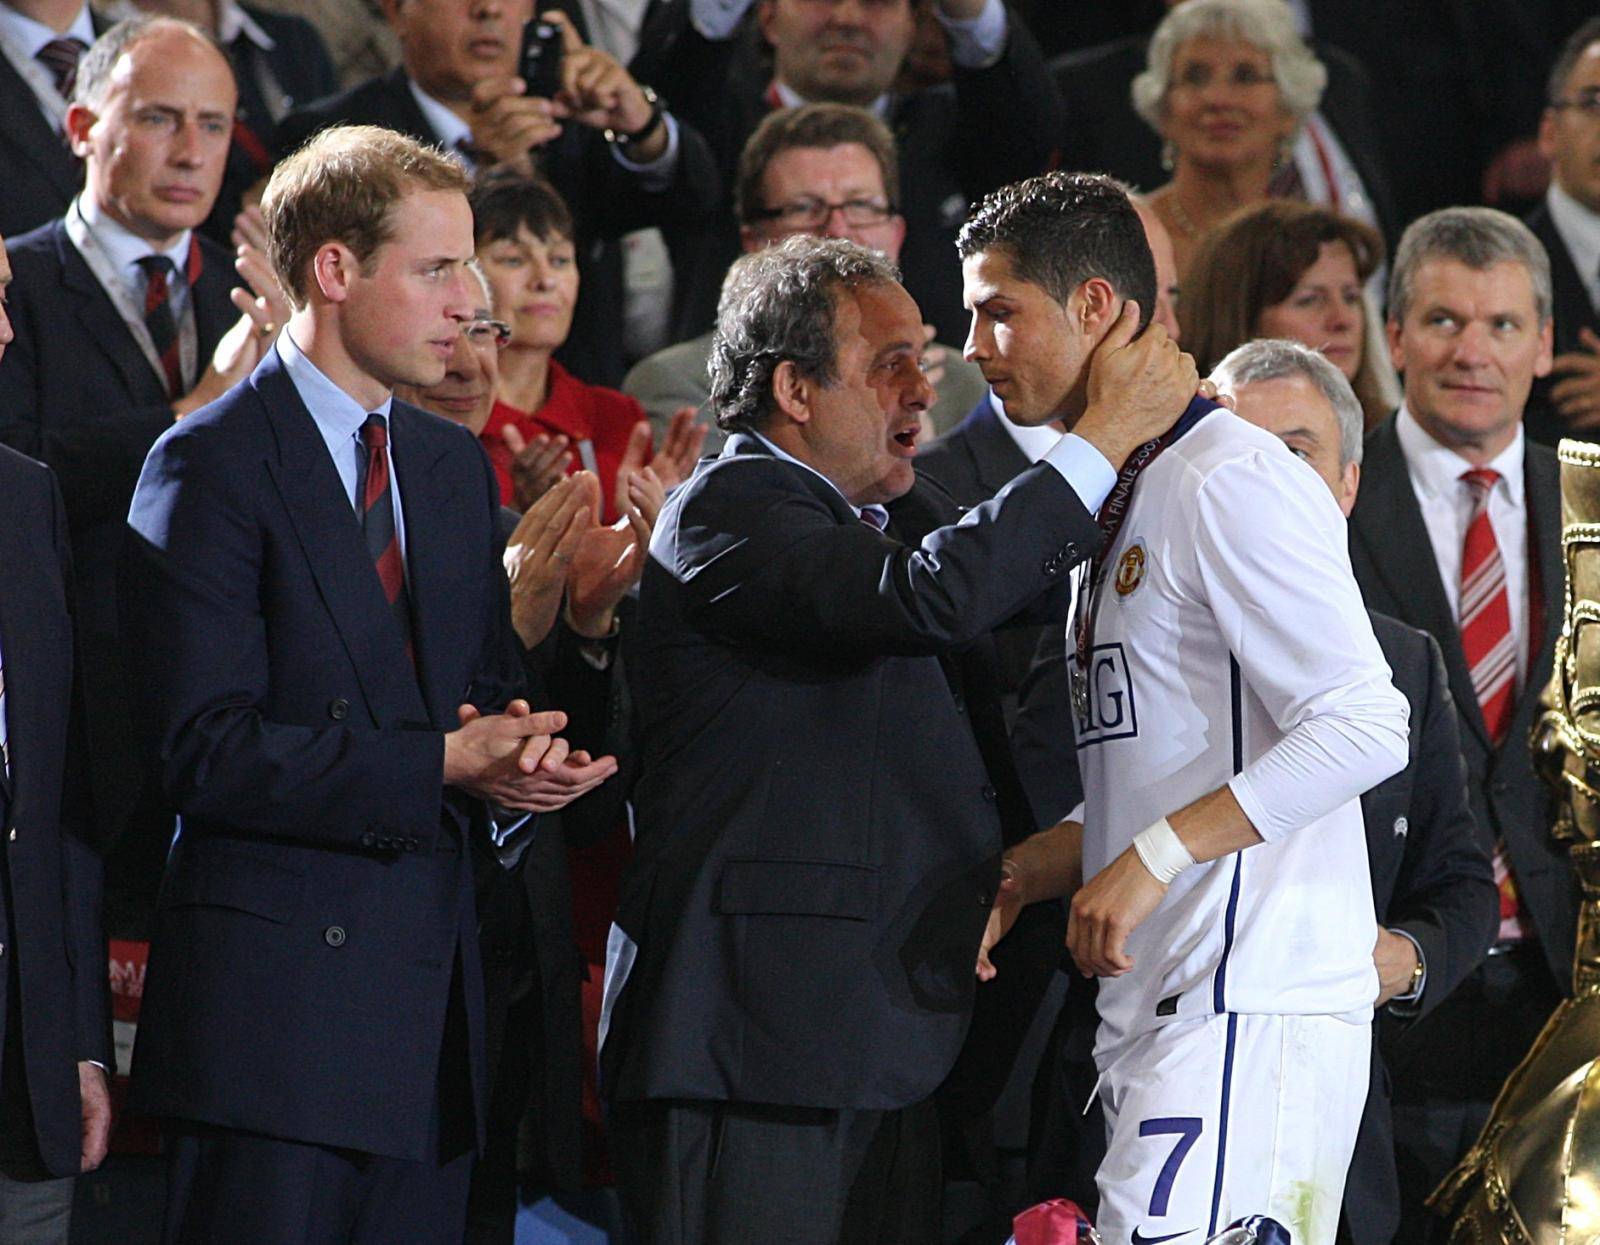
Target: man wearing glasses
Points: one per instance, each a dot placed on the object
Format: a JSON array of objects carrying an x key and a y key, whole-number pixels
[
  {"x": 1568, "y": 223},
  {"x": 828, "y": 170}
]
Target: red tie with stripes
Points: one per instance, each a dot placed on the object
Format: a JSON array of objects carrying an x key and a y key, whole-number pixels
[
  {"x": 377, "y": 523},
  {"x": 1491, "y": 653},
  {"x": 159, "y": 320}
]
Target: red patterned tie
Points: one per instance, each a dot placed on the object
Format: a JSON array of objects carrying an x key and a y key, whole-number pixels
[
  {"x": 60, "y": 57},
  {"x": 158, "y": 318},
  {"x": 377, "y": 523},
  {"x": 1491, "y": 654}
]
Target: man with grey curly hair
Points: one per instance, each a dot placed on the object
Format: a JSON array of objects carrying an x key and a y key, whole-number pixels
[{"x": 791, "y": 972}]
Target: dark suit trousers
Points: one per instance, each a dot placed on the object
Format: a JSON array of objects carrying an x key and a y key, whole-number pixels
[
  {"x": 224, "y": 1184},
  {"x": 1448, "y": 1067},
  {"x": 706, "y": 1173}
]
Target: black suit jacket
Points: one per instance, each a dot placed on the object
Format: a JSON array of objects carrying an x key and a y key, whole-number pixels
[
  {"x": 1431, "y": 878},
  {"x": 1394, "y": 564},
  {"x": 317, "y": 915},
  {"x": 50, "y": 913},
  {"x": 817, "y": 832},
  {"x": 606, "y": 200},
  {"x": 974, "y": 461},
  {"x": 1103, "y": 134},
  {"x": 1573, "y": 311},
  {"x": 297, "y": 69},
  {"x": 77, "y": 392},
  {"x": 956, "y": 143},
  {"x": 40, "y": 172}
]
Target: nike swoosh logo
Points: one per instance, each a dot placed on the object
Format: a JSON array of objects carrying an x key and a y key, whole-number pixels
[{"x": 1139, "y": 1238}]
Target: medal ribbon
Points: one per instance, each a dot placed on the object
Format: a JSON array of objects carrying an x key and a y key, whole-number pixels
[{"x": 1113, "y": 511}]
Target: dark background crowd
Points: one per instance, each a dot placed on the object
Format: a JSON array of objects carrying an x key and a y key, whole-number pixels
[{"x": 1279, "y": 152}]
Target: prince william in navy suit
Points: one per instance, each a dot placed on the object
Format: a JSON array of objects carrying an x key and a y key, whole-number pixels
[{"x": 312, "y": 582}]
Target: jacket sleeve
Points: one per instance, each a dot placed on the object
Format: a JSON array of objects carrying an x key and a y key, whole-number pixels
[
  {"x": 1445, "y": 895},
  {"x": 764, "y": 560}
]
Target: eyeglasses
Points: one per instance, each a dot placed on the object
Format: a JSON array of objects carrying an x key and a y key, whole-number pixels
[
  {"x": 483, "y": 333},
  {"x": 814, "y": 213},
  {"x": 1587, "y": 102}
]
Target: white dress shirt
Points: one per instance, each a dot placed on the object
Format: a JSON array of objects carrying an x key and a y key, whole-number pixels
[
  {"x": 1446, "y": 505},
  {"x": 1579, "y": 229},
  {"x": 1034, "y": 443}
]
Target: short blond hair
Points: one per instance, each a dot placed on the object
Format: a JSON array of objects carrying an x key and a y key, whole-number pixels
[{"x": 342, "y": 186}]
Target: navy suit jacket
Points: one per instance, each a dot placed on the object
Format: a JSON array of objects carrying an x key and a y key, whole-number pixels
[
  {"x": 77, "y": 393},
  {"x": 51, "y": 924},
  {"x": 318, "y": 899},
  {"x": 818, "y": 836}
]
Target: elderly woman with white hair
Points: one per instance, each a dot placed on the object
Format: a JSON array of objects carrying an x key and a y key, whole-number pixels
[{"x": 1230, "y": 86}]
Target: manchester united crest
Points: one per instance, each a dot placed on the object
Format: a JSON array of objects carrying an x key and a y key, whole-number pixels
[{"x": 1130, "y": 569}]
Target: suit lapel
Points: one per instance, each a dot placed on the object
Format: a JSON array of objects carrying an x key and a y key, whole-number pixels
[
  {"x": 998, "y": 459},
  {"x": 35, "y": 142},
  {"x": 330, "y": 536},
  {"x": 214, "y": 312},
  {"x": 1388, "y": 523},
  {"x": 103, "y": 324},
  {"x": 445, "y": 572}
]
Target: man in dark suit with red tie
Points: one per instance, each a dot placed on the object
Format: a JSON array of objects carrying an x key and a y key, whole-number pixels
[
  {"x": 1457, "y": 531},
  {"x": 332, "y": 687},
  {"x": 55, "y": 1026},
  {"x": 122, "y": 315}
]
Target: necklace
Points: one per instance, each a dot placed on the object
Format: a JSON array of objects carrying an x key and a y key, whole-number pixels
[{"x": 1180, "y": 218}]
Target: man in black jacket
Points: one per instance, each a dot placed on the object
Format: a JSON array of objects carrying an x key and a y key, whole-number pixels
[
  {"x": 618, "y": 156},
  {"x": 817, "y": 831},
  {"x": 55, "y": 1024}
]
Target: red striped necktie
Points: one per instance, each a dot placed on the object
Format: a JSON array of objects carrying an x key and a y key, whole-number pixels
[
  {"x": 159, "y": 320},
  {"x": 377, "y": 524},
  {"x": 61, "y": 57},
  {"x": 1491, "y": 653}
]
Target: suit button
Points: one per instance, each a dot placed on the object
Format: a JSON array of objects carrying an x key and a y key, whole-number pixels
[
  {"x": 13, "y": 835},
  {"x": 1052, "y": 565},
  {"x": 334, "y": 935},
  {"x": 985, "y": 900},
  {"x": 1499, "y": 786},
  {"x": 369, "y": 839},
  {"x": 988, "y": 791},
  {"x": 1069, "y": 551},
  {"x": 413, "y": 844},
  {"x": 338, "y": 709},
  {"x": 961, "y": 705}
]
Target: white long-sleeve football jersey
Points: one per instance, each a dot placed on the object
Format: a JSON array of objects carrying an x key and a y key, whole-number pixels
[{"x": 1231, "y": 645}]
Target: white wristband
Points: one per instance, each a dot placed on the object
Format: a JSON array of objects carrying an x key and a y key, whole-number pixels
[{"x": 1162, "y": 852}]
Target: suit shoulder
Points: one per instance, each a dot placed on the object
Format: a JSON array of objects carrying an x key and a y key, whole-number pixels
[
  {"x": 18, "y": 472},
  {"x": 366, "y": 103},
  {"x": 37, "y": 251}
]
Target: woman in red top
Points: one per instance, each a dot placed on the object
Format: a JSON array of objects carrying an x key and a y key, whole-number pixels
[{"x": 525, "y": 244}]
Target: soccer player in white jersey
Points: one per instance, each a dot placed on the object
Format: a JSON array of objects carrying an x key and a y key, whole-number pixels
[{"x": 1232, "y": 704}]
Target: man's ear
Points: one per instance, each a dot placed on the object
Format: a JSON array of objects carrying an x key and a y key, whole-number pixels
[
  {"x": 792, "y": 393},
  {"x": 79, "y": 121},
  {"x": 1096, "y": 306},
  {"x": 333, "y": 270}
]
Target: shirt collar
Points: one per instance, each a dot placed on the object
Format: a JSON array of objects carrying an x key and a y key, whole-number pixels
[
  {"x": 1436, "y": 469},
  {"x": 448, "y": 128},
  {"x": 791, "y": 98},
  {"x": 338, "y": 416},
  {"x": 233, "y": 21},
  {"x": 23, "y": 32},
  {"x": 123, "y": 247},
  {"x": 1034, "y": 443},
  {"x": 880, "y": 513}
]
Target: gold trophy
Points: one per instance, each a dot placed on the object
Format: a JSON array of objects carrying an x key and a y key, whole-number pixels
[{"x": 1533, "y": 1176}]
